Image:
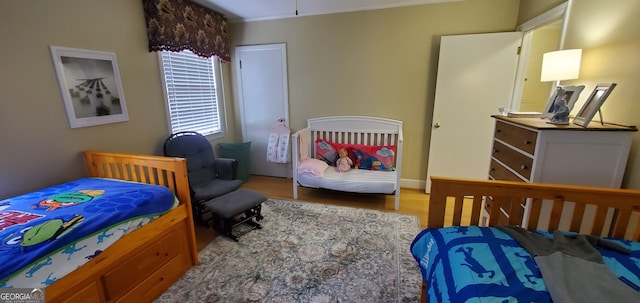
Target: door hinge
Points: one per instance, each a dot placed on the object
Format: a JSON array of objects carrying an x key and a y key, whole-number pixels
[
  {"x": 240, "y": 63},
  {"x": 519, "y": 50}
]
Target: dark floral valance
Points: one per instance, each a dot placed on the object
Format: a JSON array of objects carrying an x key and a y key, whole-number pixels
[{"x": 176, "y": 25}]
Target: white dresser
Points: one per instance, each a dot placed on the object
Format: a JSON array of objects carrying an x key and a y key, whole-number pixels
[{"x": 531, "y": 150}]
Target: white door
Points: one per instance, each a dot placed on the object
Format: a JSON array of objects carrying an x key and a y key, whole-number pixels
[
  {"x": 264, "y": 100},
  {"x": 475, "y": 77}
]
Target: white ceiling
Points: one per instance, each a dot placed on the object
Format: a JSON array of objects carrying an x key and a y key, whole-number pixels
[{"x": 254, "y": 10}]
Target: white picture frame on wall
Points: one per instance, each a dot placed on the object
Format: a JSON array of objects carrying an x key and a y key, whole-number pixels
[{"x": 90, "y": 86}]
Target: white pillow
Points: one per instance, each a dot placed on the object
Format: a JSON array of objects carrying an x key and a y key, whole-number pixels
[{"x": 313, "y": 167}]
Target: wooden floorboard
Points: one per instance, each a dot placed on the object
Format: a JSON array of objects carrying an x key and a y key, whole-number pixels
[{"x": 412, "y": 201}]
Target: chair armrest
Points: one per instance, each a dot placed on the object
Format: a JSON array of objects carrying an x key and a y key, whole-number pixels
[{"x": 226, "y": 168}]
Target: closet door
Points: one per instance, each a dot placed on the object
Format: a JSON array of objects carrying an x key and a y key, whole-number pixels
[
  {"x": 264, "y": 100},
  {"x": 475, "y": 78}
]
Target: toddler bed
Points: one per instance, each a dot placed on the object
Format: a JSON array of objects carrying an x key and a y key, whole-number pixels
[
  {"x": 464, "y": 262},
  {"x": 123, "y": 234},
  {"x": 374, "y": 146}
]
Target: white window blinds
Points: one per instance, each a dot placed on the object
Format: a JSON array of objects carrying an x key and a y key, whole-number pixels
[{"x": 191, "y": 91}]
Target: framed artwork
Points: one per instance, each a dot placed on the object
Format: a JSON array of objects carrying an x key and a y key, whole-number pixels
[
  {"x": 90, "y": 86},
  {"x": 593, "y": 103},
  {"x": 571, "y": 93}
]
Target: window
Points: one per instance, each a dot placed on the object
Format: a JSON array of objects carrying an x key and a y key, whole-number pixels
[{"x": 192, "y": 91}]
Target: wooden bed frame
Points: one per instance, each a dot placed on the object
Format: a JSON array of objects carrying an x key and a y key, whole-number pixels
[
  {"x": 143, "y": 264},
  {"x": 588, "y": 210}
]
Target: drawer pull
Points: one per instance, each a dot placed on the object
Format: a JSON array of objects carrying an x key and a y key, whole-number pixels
[
  {"x": 498, "y": 130},
  {"x": 496, "y": 150},
  {"x": 527, "y": 142},
  {"x": 523, "y": 167}
]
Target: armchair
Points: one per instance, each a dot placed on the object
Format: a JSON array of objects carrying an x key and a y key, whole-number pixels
[{"x": 209, "y": 177}]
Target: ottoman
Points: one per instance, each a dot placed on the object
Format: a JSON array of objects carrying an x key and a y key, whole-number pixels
[{"x": 235, "y": 208}]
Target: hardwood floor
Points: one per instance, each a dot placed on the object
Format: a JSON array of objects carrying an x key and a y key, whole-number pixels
[{"x": 412, "y": 201}]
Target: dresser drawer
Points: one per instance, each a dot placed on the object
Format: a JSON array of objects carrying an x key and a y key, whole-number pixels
[
  {"x": 499, "y": 172},
  {"x": 518, "y": 162},
  {"x": 520, "y": 138}
]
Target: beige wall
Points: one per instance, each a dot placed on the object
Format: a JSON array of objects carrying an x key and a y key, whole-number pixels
[
  {"x": 607, "y": 32},
  {"x": 380, "y": 63},
  {"x": 38, "y": 148}
]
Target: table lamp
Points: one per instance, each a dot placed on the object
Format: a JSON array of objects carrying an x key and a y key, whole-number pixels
[{"x": 557, "y": 66}]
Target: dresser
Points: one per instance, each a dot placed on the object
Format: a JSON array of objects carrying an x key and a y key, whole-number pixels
[{"x": 531, "y": 150}]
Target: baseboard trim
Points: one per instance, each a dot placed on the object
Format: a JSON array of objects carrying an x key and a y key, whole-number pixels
[{"x": 413, "y": 183}]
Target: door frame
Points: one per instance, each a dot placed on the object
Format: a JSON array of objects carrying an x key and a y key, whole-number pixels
[{"x": 560, "y": 12}]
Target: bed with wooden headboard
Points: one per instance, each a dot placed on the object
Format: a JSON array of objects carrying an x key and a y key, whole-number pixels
[
  {"x": 457, "y": 209},
  {"x": 145, "y": 262}
]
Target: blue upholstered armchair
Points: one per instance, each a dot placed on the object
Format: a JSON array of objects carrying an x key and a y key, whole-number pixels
[{"x": 209, "y": 177}]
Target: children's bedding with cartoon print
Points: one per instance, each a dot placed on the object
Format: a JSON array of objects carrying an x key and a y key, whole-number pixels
[
  {"x": 48, "y": 233},
  {"x": 484, "y": 264}
]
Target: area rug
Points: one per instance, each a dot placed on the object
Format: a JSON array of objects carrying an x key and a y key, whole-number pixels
[{"x": 308, "y": 252}]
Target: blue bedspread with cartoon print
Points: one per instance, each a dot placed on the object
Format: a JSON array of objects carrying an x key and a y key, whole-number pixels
[
  {"x": 37, "y": 226},
  {"x": 484, "y": 264}
]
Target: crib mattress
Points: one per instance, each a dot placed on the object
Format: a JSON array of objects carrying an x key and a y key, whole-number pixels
[{"x": 355, "y": 180}]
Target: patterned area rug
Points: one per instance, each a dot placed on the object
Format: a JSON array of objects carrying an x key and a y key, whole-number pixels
[{"x": 309, "y": 252}]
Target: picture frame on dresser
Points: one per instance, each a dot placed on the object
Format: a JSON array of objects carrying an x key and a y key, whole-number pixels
[
  {"x": 572, "y": 92},
  {"x": 90, "y": 85},
  {"x": 593, "y": 103}
]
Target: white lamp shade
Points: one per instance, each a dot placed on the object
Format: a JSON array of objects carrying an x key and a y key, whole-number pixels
[{"x": 561, "y": 65}]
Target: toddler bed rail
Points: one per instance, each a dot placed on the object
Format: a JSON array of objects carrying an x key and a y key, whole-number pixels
[{"x": 362, "y": 130}]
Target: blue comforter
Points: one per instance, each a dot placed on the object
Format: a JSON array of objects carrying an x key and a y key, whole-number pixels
[
  {"x": 35, "y": 225},
  {"x": 483, "y": 264}
]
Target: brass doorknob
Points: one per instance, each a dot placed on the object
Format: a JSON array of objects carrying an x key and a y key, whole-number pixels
[{"x": 436, "y": 125}]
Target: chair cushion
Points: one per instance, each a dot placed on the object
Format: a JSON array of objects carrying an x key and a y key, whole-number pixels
[
  {"x": 214, "y": 188},
  {"x": 199, "y": 154},
  {"x": 234, "y": 203}
]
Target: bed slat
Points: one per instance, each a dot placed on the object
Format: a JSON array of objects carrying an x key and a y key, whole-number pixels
[
  {"x": 620, "y": 228},
  {"x": 515, "y": 211},
  {"x": 556, "y": 212},
  {"x": 599, "y": 220},
  {"x": 476, "y": 208},
  {"x": 457, "y": 209},
  {"x": 534, "y": 214},
  {"x": 577, "y": 218}
]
